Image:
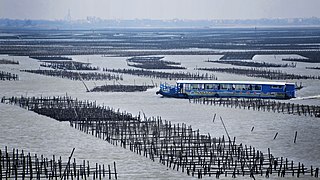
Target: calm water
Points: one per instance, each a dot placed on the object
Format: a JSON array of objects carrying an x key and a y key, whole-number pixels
[{"x": 38, "y": 134}]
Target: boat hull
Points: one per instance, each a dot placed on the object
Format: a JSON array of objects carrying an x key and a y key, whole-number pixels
[{"x": 223, "y": 95}]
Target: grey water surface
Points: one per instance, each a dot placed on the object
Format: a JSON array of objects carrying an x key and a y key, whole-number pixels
[{"x": 34, "y": 133}]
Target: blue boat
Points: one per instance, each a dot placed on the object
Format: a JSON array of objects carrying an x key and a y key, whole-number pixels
[{"x": 228, "y": 89}]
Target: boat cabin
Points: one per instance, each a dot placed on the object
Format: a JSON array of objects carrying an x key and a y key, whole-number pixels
[{"x": 237, "y": 89}]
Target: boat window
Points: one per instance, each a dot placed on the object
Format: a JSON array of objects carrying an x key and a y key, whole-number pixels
[
  {"x": 195, "y": 86},
  {"x": 240, "y": 87},
  {"x": 225, "y": 86},
  {"x": 248, "y": 87},
  {"x": 276, "y": 87},
  {"x": 257, "y": 87},
  {"x": 187, "y": 86},
  {"x": 209, "y": 86}
]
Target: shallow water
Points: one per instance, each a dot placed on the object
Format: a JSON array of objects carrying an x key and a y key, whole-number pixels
[{"x": 34, "y": 133}]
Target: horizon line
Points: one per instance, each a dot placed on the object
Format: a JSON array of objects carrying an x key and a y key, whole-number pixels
[{"x": 173, "y": 19}]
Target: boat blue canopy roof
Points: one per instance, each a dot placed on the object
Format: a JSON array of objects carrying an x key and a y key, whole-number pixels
[{"x": 231, "y": 82}]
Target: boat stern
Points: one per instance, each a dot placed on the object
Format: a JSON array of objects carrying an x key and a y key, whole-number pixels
[{"x": 169, "y": 91}]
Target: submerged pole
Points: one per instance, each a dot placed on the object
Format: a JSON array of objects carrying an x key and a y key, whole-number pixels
[
  {"x": 295, "y": 137},
  {"x": 68, "y": 164},
  {"x": 224, "y": 127}
]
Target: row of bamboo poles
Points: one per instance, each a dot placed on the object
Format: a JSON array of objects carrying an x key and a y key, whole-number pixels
[
  {"x": 121, "y": 88},
  {"x": 261, "y": 105},
  {"x": 21, "y": 165},
  {"x": 7, "y": 61},
  {"x": 163, "y": 75},
  {"x": 261, "y": 73},
  {"x": 8, "y": 76},
  {"x": 177, "y": 146},
  {"x": 76, "y": 75}
]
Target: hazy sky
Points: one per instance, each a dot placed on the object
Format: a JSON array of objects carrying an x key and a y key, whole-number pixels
[{"x": 159, "y": 9}]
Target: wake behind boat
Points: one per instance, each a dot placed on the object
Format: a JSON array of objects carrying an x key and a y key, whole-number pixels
[{"x": 236, "y": 89}]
